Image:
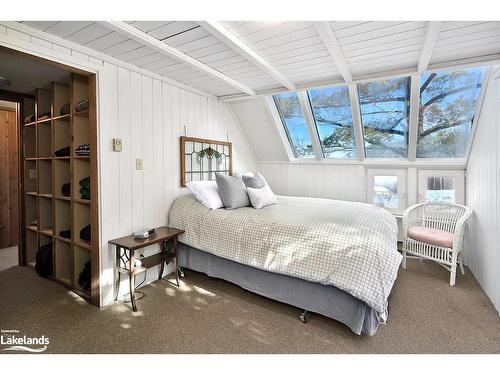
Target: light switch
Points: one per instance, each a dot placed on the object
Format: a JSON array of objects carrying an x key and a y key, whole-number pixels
[
  {"x": 138, "y": 164},
  {"x": 117, "y": 144}
]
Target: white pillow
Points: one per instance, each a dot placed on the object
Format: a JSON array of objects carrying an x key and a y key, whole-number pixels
[
  {"x": 261, "y": 197},
  {"x": 207, "y": 193}
]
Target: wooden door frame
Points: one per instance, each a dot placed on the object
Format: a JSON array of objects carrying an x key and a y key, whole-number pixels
[{"x": 18, "y": 99}]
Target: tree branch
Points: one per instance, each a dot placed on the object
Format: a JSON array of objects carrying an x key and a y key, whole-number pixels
[
  {"x": 451, "y": 92},
  {"x": 440, "y": 127}
]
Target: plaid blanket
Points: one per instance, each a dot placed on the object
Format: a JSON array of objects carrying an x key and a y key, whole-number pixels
[{"x": 350, "y": 245}]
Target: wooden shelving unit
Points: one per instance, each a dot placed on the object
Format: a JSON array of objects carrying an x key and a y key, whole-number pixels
[{"x": 46, "y": 210}]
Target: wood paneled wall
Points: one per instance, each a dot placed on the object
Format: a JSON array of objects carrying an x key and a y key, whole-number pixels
[
  {"x": 483, "y": 195},
  {"x": 9, "y": 188}
]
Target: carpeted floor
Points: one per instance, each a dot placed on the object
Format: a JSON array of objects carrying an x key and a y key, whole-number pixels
[
  {"x": 212, "y": 316},
  {"x": 8, "y": 257}
]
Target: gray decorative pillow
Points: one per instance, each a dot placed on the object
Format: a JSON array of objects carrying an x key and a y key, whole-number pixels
[
  {"x": 232, "y": 191},
  {"x": 255, "y": 182}
]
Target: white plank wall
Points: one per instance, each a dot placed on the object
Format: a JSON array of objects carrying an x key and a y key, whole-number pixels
[
  {"x": 345, "y": 182},
  {"x": 483, "y": 195},
  {"x": 149, "y": 113}
]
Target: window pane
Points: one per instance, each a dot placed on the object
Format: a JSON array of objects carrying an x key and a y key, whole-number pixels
[
  {"x": 384, "y": 115},
  {"x": 295, "y": 126},
  {"x": 385, "y": 191},
  {"x": 448, "y": 103},
  {"x": 440, "y": 189},
  {"x": 332, "y": 113}
]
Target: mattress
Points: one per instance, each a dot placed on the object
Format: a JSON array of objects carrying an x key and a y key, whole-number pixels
[{"x": 349, "y": 245}]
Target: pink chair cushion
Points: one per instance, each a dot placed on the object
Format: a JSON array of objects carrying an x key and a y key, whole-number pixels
[{"x": 431, "y": 236}]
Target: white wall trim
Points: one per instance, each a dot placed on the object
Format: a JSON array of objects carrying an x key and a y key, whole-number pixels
[
  {"x": 356, "y": 121},
  {"x": 413, "y": 116},
  {"x": 479, "y": 107},
  {"x": 390, "y": 74},
  {"x": 166, "y": 49},
  {"x": 28, "y": 47},
  {"x": 227, "y": 37},
  {"x": 311, "y": 124},
  {"x": 278, "y": 125}
]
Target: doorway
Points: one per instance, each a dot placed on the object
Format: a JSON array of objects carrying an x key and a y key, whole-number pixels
[{"x": 9, "y": 184}]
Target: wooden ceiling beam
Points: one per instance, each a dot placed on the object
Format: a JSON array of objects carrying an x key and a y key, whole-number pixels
[{"x": 164, "y": 48}]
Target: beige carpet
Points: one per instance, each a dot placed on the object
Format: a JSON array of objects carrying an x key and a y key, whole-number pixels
[
  {"x": 212, "y": 316},
  {"x": 8, "y": 257}
]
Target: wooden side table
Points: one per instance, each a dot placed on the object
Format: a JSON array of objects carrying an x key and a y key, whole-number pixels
[{"x": 125, "y": 248}]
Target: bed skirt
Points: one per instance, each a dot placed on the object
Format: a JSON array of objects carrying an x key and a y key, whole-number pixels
[{"x": 325, "y": 300}]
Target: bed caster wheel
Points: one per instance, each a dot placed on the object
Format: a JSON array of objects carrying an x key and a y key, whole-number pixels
[
  {"x": 304, "y": 316},
  {"x": 182, "y": 273}
]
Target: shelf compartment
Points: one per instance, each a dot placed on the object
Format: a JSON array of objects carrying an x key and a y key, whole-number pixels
[
  {"x": 63, "y": 262},
  {"x": 81, "y": 170},
  {"x": 44, "y": 140},
  {"x": 29, "y": 135},
  {"x": 28, "y": 108},
  {"x": 43, "y": 103},
  {"x": 62, "y": 217},
  {"x": 80, "y": 88},
  {"x": 62, "y": 175},
  {"x": 31, "y": 246},
  {"x": 62, "y": 135},
  {"x": 60, "y": 94},
  {"x": 81, "y": 218},
  {"x": 30, "y": 175},
  {"x": 45, "y": 217},
  {"x": 81, "y": 257},
  {"x": 81, "y": 134},
  {"x": 44, "y": 177},
  {"x": 30, "y": 209}
]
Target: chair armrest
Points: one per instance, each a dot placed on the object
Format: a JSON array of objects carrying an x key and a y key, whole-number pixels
[
  {"x": 407, "y": 213},
  {"x": 458, "y": 233}
]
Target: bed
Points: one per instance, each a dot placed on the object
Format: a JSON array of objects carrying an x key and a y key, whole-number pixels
[{"x": 335, "y": 258}]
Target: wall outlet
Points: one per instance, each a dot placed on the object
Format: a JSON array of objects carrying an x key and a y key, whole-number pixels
[
  {"x": 117, "y": 144},
  {"x": 138, "y": 164}
]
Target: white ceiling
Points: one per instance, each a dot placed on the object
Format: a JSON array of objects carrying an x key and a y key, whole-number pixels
[{"x": 294, "y": 50}]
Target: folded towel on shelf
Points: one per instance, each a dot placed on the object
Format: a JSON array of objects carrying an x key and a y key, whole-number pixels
[
  {"x": 83, "y": 150},
  {"x": 65, "y": 151},
  {"x": 82, "y": 105}
]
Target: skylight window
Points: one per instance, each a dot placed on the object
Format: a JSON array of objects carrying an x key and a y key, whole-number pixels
[
  {"x": 332, "y": 114},
  {"x": 448, "y": 102},
  {"x": 295, "y": 126},
  {"x": 384, "y": 116}
]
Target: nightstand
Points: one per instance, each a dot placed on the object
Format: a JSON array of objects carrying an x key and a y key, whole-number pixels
[{"x": 125, "y": 248}]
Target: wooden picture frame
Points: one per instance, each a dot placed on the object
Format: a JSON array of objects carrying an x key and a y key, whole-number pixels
[{"x": 209, "y": 149}]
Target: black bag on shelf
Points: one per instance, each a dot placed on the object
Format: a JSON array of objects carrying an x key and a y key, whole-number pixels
[
  {"x": 64, "y": 109},
  {"x": 82, "y": 106},
  {"x": 84, "y": 278},
  {"x": 85, "y": 233},
  {"x": 65, "y": 151},
  {"x": 43, "y": 264}
]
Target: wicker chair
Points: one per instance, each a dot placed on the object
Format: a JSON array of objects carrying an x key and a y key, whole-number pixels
[{"x": 435, "y": 231}]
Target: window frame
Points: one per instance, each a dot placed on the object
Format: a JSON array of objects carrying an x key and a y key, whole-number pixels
[
  {"x": 414, "y": 102},
  {"x": 459, "y": 185},
  {"x": 402, "y": 195}
]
